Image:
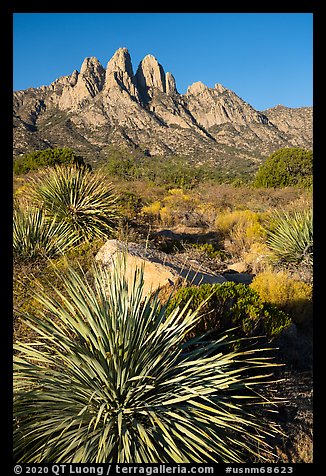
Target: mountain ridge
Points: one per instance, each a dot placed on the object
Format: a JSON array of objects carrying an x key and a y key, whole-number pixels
[{"x": 96, "y": 107}]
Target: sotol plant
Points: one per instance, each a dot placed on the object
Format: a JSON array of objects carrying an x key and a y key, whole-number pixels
[
  {"x": 34, "y": 236},
  {"x": 84, "y": 200},
  {"x": 109, "y": 380},
  {"x": 290, "y": 236}
]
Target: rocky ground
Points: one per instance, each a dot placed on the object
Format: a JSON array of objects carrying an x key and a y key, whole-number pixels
[{"x": 296, "y": 417}]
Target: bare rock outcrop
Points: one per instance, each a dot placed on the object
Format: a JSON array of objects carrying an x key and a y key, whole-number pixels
[
  {"x": 215, "y": 106},
  {"x": 295, "y": 122},
  {"x": 160, "y": 269},
  {"x": 170, "y": 84},
  {"x": 82, "y": 86},
  {"x": 150, "y": 75},
  {"x": 196, "y": 88},
  {"x": 119, "y": 74}
]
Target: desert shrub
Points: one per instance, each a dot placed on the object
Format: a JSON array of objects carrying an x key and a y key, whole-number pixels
[
  {"x": 231, "y": 305},
  {"x": 84, "y": 200},
  {"x": 292, "y": 296},
  {"x": 206, "y": 211},
  {"x": 34, "y": 236},
  {"x": 171, "y": 172},
  {"x": 46, "y": 158},
  {"x": 226, "y": 222},
  {"x": 21, "y": 188},
  {"x": 257, "y": 258},
  {"x": 224, "y": 197},
  {"x": 290, "y": 236},
  {"x": 207, "y": 250},
  {"x": 27, "y": 274},
  {"x": 152, "y": 211},
  {"x": 130, "y": 205},
  {"x": 286, "y": 167},
  {"x": 176, "y": 207},
  {"x": 109, "y": 379},
  {"x": 241, "y": 228}
]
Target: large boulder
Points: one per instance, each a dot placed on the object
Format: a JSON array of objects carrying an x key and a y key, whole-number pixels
[{"x": 160, "y": 269}]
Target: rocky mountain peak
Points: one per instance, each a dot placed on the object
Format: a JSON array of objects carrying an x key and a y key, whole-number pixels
[
  {"x": 91, "y": 66},
  {"x": 82, "y": 86},
  {"x": 120, "y": 63},
  {"x": 150, "y": 75},
  {"x": 119, "y": 74},
  {"x": 196, "y": 88},
  {"x": 93, "y": 74},
  {"x": 90, "y": 109},
  {"x": 219, "y": 88}
]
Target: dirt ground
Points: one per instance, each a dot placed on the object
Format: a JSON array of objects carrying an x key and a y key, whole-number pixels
[{"x": 295, "y": 416}]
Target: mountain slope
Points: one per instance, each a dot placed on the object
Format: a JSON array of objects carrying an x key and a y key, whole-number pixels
[{"x": 97, "y": 107}]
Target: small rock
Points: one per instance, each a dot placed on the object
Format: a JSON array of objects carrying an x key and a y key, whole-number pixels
[{"x": 239, "y": 267}]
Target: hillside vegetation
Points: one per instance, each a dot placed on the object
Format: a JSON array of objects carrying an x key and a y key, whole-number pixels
[{"x": 105, "y": 345}]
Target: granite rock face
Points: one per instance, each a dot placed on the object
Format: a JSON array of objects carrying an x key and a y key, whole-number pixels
[
  {"x": 95, "y": 107},
  {"x": 119, "y": 74},
  {"x": 83, "y": 86},
  {"x": 160, "y": 269}
]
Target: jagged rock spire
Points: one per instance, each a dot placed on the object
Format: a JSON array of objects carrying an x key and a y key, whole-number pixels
[
  {"x": 220, "y": 88},
  {"x": 92, "y": 74},
  {"x": 150, "y": 75},
  {"x": 170, "y": 83},
  {"x": 119, "y": 73},
  {"x": 73, "y": 78},
  {"x": 120, "y": 63},
  {"x": 84, "y": 85}
]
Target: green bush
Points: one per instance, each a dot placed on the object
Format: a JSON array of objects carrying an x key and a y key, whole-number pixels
[
  {"x": 172, "y": 171},
  {"x": 130, "y": 204},
  {"x": 109, "y": 379},
  {"x": 46, "y": 158},
  {"x": 285, "y": 168},
  {"x": 231, "y": 305},
  {"x": 208, "y": 250}
]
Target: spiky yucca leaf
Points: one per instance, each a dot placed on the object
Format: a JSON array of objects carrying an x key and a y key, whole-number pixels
[
  {"x": 290, "y": 236},
  {"x": 34, "y": 236},
  {"x": 109, "y": 380},
  {"x": 79, "y": 197}
]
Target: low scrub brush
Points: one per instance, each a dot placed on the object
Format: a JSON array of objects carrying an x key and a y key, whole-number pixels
[{"x": 292, "y": 296}]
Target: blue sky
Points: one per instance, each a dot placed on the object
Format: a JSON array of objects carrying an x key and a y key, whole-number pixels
[{"x": 265, "y": 58}]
